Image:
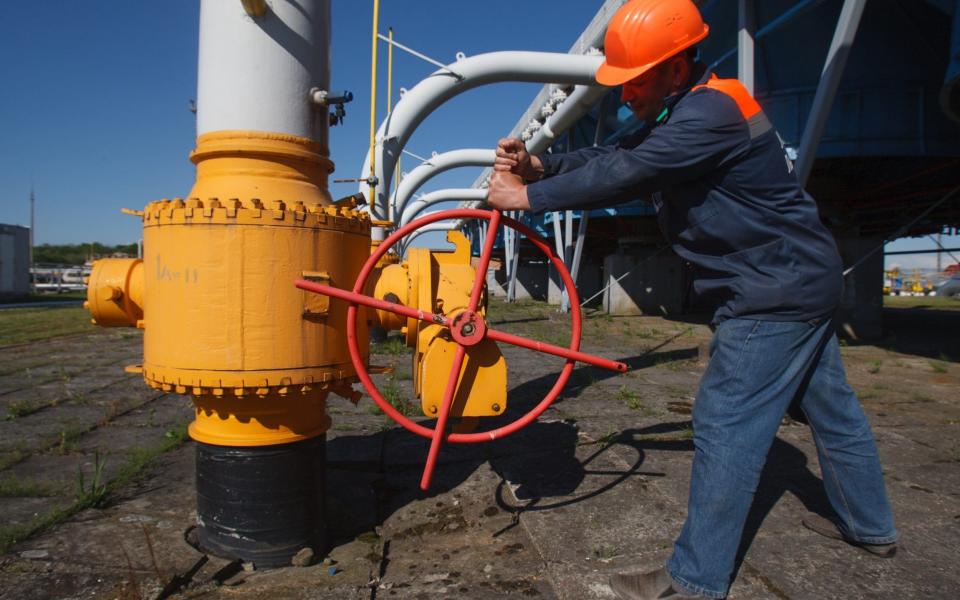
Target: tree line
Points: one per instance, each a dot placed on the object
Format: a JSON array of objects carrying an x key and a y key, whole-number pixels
[{"x": 77, "y": 254}]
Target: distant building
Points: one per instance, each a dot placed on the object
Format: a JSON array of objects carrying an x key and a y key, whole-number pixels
[{"x": 14, "y": 261}]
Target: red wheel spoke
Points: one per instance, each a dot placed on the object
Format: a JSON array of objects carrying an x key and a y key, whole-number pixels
[
  {"x": 440, "y": 428},
  {"x": 355, "y": 298},
  {"x": 560, "y": 351},
  {"x": 485, "y": 255}
]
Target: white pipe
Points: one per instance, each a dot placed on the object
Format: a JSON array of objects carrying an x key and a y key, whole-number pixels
[
  {"x": 580, "y": 101},
  {"x": 427, "y": 229},
  {"x": 412, "y": 181},
  {"x": 445, "y": 195},
  {"x": 575, "y": 106},
  {"x": 426, "y": 96},
  {"x": 255, "y": 73}
]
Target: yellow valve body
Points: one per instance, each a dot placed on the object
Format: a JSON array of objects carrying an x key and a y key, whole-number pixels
[
  {"x": 441, "y": 282},
  {"x": 214, "y": 292},
  {"x": 220, "y": 283}
]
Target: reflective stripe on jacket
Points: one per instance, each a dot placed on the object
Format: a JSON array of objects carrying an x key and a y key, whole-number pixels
[{"x": 727, "y": 199}]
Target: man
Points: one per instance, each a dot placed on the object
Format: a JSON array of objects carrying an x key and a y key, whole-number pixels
[{"x": 729, "y": 202}]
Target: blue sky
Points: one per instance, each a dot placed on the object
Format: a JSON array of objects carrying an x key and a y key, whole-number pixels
[{"x": 94, "y": 105}]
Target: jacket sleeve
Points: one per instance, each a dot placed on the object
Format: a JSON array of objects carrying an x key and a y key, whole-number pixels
[
  {"x": 563, "y": 162},
  {"x": 696, "y": 140}
]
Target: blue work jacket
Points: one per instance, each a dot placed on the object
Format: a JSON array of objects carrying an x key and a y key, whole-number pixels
[{"x": 728, "y": 201}]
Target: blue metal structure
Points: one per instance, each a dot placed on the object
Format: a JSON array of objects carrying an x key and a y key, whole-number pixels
[{"x": 889, "y": 147}]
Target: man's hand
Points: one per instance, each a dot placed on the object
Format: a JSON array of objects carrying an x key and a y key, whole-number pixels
[
  {"x": 512, "y": 157},
  {"x": 507, "y": 192}
]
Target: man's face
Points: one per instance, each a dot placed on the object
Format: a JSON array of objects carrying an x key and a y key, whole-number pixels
[{"x": 644, "y": 95}]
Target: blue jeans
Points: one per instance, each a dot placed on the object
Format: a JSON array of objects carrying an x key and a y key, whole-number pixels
[{"x": 756, "y": 369}]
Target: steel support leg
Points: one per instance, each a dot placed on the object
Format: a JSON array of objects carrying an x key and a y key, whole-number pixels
[
  {"x": 833, "y": 68},
  {"x": 745, "y": 47},
  {"x": 577, "y": 257}
]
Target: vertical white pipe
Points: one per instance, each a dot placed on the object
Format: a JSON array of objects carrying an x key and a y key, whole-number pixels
[{"x": 255, "y": 73}]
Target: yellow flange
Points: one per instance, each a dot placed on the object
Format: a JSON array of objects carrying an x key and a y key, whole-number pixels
[{"x": 226, "y": 420}]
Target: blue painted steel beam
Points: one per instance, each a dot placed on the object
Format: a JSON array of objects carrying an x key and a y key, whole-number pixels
[{"x": 787, "y": 16}]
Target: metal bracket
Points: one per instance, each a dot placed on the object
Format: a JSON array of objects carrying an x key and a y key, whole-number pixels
[{"x": 334, "y": 99}]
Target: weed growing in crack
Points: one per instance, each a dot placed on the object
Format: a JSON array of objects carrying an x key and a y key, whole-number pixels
[
  {"x": 95, "y": 493},
  {"x": 875, "y": 367},
  {"x": 395, "y": 396},
  {"x": 631, "y": 399},
  {"x": 604, "y": 552},
  {"x": 20, "y": 408}
]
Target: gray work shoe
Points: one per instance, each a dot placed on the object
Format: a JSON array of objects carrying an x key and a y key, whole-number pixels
[
  {"x": 828, "y": 528},
  {"x": 646, "y": 586}
]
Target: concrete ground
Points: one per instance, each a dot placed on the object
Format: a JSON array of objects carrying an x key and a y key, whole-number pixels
[{"x": 598, "y": 485}]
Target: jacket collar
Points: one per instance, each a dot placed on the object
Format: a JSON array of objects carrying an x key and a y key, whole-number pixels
[{"x": 698, "y": 76}]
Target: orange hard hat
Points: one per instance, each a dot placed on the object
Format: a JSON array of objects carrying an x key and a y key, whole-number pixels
[{"x": 644, "y": 33}]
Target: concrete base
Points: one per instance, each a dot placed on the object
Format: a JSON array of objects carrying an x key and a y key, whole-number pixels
[
  {"x": 531, "y": 281},
  {"x": 861, "y": 308},
  {"x": 589, "y": 282},
  {"x": 653, "y": 285}
]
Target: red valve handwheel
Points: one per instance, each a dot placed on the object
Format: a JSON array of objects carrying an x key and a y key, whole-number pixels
[{"x": 467, "y": 328}]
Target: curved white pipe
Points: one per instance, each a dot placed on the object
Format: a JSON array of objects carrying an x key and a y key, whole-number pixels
[
  {"x": 422, "y": 99},
  {"x": 437, "y": 164},
  {"x": 445, "y": 195},
  {"x": 432, "y": 227},
  {"x": 575, "y": 106}
]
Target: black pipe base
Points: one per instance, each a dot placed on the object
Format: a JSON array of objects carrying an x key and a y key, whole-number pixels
[{"x": 261, "y": 504}]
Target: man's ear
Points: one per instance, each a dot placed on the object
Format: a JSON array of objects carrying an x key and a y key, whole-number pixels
[{"x": 680, "y": 70}]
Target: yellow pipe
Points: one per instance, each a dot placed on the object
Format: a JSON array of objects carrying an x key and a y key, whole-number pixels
[
  {"x": 389, "y": 71},
  {"x": 373, "y": 101}
]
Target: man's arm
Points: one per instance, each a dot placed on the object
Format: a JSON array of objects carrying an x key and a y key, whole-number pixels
[
  {"x": 564, "y": 162},
  {"x": 512, "y": 156},
  {"x": 689, "y": 145}
]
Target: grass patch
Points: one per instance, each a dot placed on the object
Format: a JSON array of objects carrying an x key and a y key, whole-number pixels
[
  {"x": 12, "y": 457},
  {"x": 11, "y": 487},
  {"x": 631, "y": 399},
  {"x": 604, "y": 552},
  {"x": 45, "y": 297},
  {"x": 135, "y": 467},
  {"x": 875, "y": 367},
  {"x": 21, "y": 408},
  {"x": 394, "y": 345},
  {"x": 682, "y": 434},
  {"x": 19, "y": 325},
  {"x": 394, "y": 395},
  {"x": 929, "y": 302},
  {"x": 938, "y": 366},
  {"x": 606, "y": 440}
]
